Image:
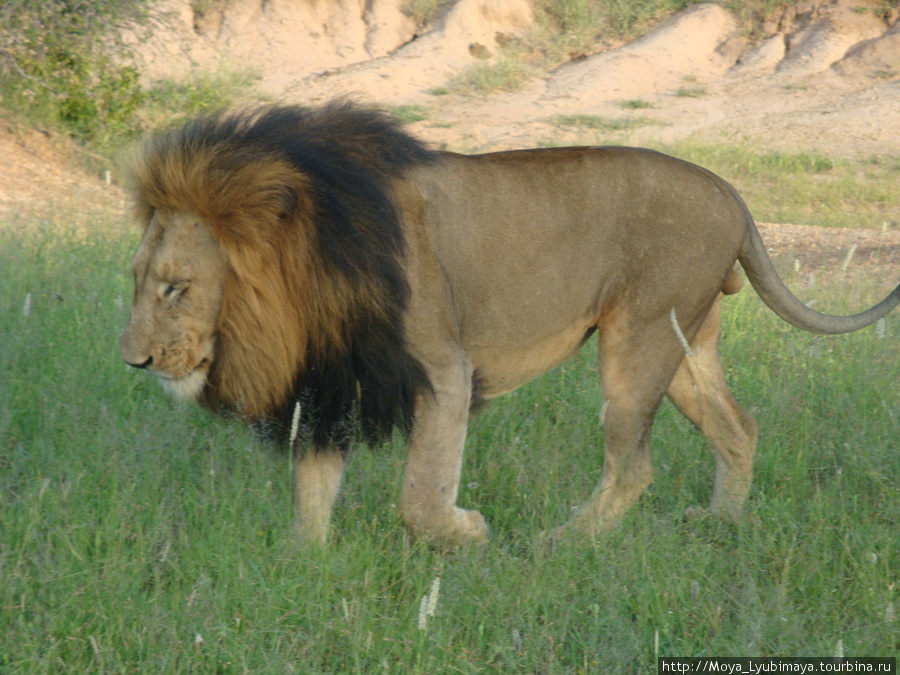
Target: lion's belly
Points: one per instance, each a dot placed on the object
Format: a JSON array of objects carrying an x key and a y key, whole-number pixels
[{"x": 503, "y": 366}]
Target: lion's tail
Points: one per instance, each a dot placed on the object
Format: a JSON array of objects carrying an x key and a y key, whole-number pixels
[{"x": 778, "y": 297}]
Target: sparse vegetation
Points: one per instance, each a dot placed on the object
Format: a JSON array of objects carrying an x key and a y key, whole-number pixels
[
  {"x": 690, "y": 92},
  {"x": 506, "y": 73},
  {"x": 635, "y": 104},
  {"x": 421, "y": 11},
  {"x": 169, "y": 102},
  {"x": 63, "y": 65},
  {"x": 571, "y": 29},
  {"x": 601, "y": 123},
  {"x": 755, "y": 14}
]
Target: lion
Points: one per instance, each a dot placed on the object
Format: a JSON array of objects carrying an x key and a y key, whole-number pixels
[{"x": 329, "y": 278}]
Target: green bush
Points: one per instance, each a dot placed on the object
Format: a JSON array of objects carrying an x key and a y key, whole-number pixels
[
  {"x": 63, "y": 66},
  {"x": 57, "y": 66}
]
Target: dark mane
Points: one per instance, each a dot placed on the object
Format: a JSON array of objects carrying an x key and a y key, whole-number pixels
[
  {"x": 350, "y": 153},
  {"x": 300, "y": 199}
]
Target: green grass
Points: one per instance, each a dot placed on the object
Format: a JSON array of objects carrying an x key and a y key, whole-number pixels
[
  {"x": 142, "y": 536},
  {"x": 806, "y": 188}
]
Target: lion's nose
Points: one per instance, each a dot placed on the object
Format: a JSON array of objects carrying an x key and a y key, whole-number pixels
[{"x": 143, "y": 365}]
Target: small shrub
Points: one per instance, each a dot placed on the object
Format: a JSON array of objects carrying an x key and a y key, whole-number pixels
[
  {"x": 508, "y": 73},
  {"x": 691, "y": 92},
  {"x": 635, "y": 104},
  {"x": 410, "y": 113},
  {"x": 421, "y": 11}
]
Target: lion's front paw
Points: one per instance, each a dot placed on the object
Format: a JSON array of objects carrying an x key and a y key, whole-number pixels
[
  {"x": 310, "y": 533},
  {"x": 449, "y": 528},
  {"x": 474, "y": 528},
  {"x": 461, "y": 529}
]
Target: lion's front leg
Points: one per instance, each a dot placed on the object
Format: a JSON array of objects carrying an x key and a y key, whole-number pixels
[
  {"x": 317, "y": 477},
  {"x": 434, "y": 463}
]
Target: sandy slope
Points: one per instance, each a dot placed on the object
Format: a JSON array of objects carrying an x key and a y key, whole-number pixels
[
  {"x": 836, "y": 89},
  {"x": 826, "y": 76}
]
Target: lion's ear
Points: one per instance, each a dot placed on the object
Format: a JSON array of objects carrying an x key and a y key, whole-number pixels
[
  {"x": 142, "y": 212},
  {"x": 290, "y": 203},
  {"x": 297, "y": 197}
]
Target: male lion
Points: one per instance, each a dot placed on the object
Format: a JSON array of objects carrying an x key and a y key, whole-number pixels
[{"x": 326, "y": 276}]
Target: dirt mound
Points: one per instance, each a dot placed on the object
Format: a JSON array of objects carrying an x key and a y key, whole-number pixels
[
  {"x": 831, "y": 30},
  {"x": 467, "y": 33},
  {"x": 794, "y": 90},
  {"x": 290, "y": 40},
  {"x": 878, "y": 58},
  {"x": 272, "y": 37},
  {"x": 690, "y": 46}
]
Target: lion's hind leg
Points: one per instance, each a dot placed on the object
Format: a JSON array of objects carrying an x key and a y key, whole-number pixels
[
  {"x": 700, "y": 392},
  {"x": 635, "y": 367}
]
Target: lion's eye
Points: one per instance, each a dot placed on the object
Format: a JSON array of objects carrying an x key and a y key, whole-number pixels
[{"x": 174, "y": 289}]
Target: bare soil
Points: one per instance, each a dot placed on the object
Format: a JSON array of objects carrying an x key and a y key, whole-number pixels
[{"x": 823, "y": 76}]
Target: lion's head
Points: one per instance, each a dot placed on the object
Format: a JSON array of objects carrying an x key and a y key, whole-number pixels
[
  {"x": 271, "y": 267},
  {"x": 179, "y": 272}
]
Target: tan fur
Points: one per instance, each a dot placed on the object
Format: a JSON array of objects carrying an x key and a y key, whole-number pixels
[{"x": 512, "y": 261}]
